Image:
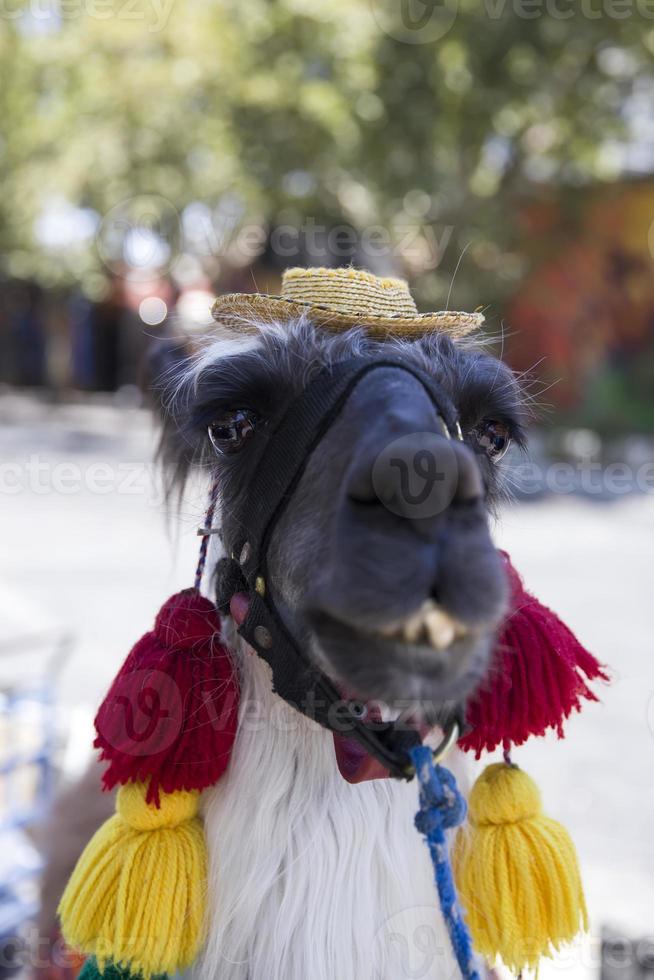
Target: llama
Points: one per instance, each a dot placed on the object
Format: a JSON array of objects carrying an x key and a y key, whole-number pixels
[
  {"x": 312, "y": 874},
  {"x": 352, "y": 444}
]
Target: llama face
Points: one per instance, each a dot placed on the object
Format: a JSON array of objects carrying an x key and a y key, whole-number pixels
[{"x": 382, "y": 564}]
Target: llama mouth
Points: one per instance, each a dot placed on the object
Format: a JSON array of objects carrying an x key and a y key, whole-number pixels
[
  {"x": 413, "y": 667},
  {"x": 426, "y": 659},
  {"x": 429, "y": 651}
]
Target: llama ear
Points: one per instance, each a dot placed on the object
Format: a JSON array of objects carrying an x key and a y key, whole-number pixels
[
  {"x": 166, "y": 728},
  {"x": 164, "y": 368},
  {"x": 539, "y": 675}
]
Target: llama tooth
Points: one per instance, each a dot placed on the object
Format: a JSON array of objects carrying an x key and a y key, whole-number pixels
[
  {"x": 429, "y": 624},
  {"x": 441, "y": 629},
  {"x": 413, "y": 627}
]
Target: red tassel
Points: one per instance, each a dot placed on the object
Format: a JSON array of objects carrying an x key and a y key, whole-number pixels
[
  {"x": 170, "y": 716},
  {"x": 538, "y": 677}
]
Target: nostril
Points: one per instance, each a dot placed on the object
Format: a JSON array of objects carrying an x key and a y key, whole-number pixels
[
  {"x": 435, "y": 594},
  {"x": 360, "y": 488}
]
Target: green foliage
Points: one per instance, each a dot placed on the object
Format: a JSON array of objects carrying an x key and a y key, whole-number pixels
[
  {"x": 326, "y": 112},
  {"x": 620, "y": 400}
]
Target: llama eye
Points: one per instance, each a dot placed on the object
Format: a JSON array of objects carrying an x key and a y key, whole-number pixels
[
  {"x": 493, "y": 438},
  {"x": 229, "y": 431}
]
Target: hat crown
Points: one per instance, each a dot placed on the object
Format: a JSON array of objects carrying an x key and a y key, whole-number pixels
[
  {"x": 340, "y": 299},
  {"x": 348, "y": 291}
]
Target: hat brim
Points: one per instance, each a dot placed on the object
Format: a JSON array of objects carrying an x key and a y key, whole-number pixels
[{"x": 241, "y": 311}]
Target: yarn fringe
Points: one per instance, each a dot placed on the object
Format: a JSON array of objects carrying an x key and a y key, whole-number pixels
[
  {"x": 516, "y": 872},
  {"x": 170, "y": 717},
  {"x": 539, "y": 676},
  {"x": 135, "y": 900}
]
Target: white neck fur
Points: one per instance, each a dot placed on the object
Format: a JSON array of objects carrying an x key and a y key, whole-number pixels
[{"x": 312, "y": 878}]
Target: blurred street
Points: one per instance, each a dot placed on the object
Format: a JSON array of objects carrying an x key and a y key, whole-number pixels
[
  {"x": 87, "y": 549},
  {"x": 87, "y": 542}
]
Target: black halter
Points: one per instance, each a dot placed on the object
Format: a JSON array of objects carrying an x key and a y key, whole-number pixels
[{"x": 280, "y": 469}]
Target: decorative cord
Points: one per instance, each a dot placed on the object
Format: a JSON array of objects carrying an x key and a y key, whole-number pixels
[
  {"x": 443, "y": 807},
  {"x": 205, "y": 533}
]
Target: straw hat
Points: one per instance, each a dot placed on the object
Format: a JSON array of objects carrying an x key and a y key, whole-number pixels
[{"x": 338, "y": 299}]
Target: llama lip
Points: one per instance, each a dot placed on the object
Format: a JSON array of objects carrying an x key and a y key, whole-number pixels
[{"x": 354, "y": 763}]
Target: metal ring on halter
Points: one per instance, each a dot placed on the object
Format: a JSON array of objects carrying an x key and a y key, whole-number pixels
[{"x": 448, "y": 741}]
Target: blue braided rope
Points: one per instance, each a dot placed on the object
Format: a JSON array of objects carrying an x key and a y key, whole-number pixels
[{"x": 443, "y": 807}]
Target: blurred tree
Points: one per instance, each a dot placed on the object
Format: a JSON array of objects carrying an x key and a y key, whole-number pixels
[{"x": 395, "y": 132}]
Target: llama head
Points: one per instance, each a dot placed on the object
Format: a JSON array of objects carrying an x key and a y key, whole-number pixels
[{"x": 381, "y": 564}]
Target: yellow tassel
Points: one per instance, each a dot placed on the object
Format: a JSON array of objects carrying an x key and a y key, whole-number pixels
[
  {"x": 136, "y": 897},
  {"x": 516, "y": 871}
]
